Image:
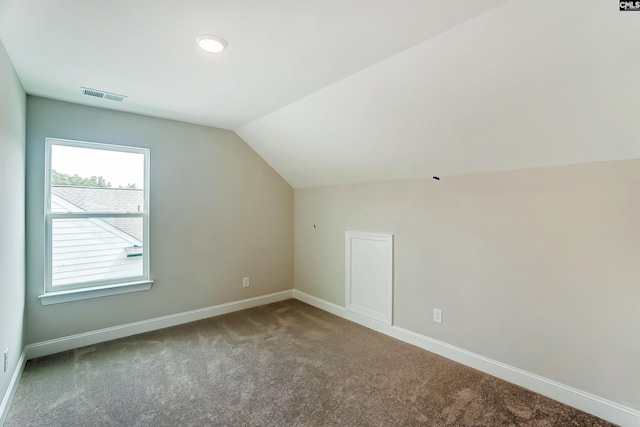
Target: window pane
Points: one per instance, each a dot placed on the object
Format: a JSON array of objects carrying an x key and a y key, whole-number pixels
[
  {"x": 95, "y": 249},
  {"x": 95, "y": 180}
]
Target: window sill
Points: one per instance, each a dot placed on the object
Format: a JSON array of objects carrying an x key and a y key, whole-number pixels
[{"x": 94, "y": 292}]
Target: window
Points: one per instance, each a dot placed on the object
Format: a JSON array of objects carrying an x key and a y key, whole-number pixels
[{"x": 97, "y": 220}]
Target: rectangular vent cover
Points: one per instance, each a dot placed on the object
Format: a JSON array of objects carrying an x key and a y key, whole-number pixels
[
  {"x": 102, "y": 94},
  {"x": 111, "y": 97}
]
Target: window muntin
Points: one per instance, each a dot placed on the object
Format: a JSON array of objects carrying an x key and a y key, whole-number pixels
[{"x": 96, "y": 215}]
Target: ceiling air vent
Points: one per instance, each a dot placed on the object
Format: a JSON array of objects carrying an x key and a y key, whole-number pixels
[
  {"x": 111, "y": 97},
  {"x": 102, "y": 94}
]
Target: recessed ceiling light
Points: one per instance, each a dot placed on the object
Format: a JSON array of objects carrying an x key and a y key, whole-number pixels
[{"x": 211, "y": 43}]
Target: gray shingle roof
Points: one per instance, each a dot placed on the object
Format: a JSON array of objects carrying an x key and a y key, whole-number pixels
[{"x": 99, "y": 199}]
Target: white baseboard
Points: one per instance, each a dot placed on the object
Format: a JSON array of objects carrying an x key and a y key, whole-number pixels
[
  {"x": 603, "y": 408},
  {"x": 57, "y": 345},
  {"x": 13, "y": 386}
]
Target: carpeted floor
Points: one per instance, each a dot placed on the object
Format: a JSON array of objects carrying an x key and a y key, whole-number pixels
[{"x": 284, "y": 364}]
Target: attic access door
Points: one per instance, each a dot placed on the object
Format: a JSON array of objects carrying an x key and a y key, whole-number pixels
[{"x": 369, "y": 275}]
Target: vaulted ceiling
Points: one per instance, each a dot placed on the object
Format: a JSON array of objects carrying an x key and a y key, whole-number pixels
[{"x": 334, "y": 91}]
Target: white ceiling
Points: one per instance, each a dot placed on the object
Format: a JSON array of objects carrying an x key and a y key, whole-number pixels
[{"x": 335, "y": 91}]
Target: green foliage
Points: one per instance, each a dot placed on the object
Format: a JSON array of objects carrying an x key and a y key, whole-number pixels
[{"x": 58, "y": 178}]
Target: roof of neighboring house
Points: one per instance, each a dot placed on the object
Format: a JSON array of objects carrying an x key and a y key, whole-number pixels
[
  {"x": 102, "y": 199},
  {"x": 91, "y": 249}
]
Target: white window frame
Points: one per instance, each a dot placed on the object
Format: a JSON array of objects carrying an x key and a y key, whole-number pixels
[{"x": 93, "y": 289}]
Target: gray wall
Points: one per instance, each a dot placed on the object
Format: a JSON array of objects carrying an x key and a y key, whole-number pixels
[
  {"x": 218, "y": 213},
  {"x": 12, "y": 240},
  {"x": 535, "y": 268}
]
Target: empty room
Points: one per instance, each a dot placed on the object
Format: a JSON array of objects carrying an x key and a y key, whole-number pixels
[{"x": 311, "y": 213}]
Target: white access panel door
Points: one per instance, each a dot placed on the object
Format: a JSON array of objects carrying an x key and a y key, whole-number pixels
[{"x": 369, "y": 275}]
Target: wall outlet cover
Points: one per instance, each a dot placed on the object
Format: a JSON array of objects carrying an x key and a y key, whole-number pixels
[{"x": 437, "y": 315}]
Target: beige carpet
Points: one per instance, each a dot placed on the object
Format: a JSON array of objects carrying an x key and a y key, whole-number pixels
[{"x": 284, "y": 364}]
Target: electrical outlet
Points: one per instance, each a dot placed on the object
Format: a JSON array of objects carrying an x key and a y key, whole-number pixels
[
  {"x": 245, "y": 282},
  {"x": 6, "y": 360},
  {"x": 437, "y": 315}
]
